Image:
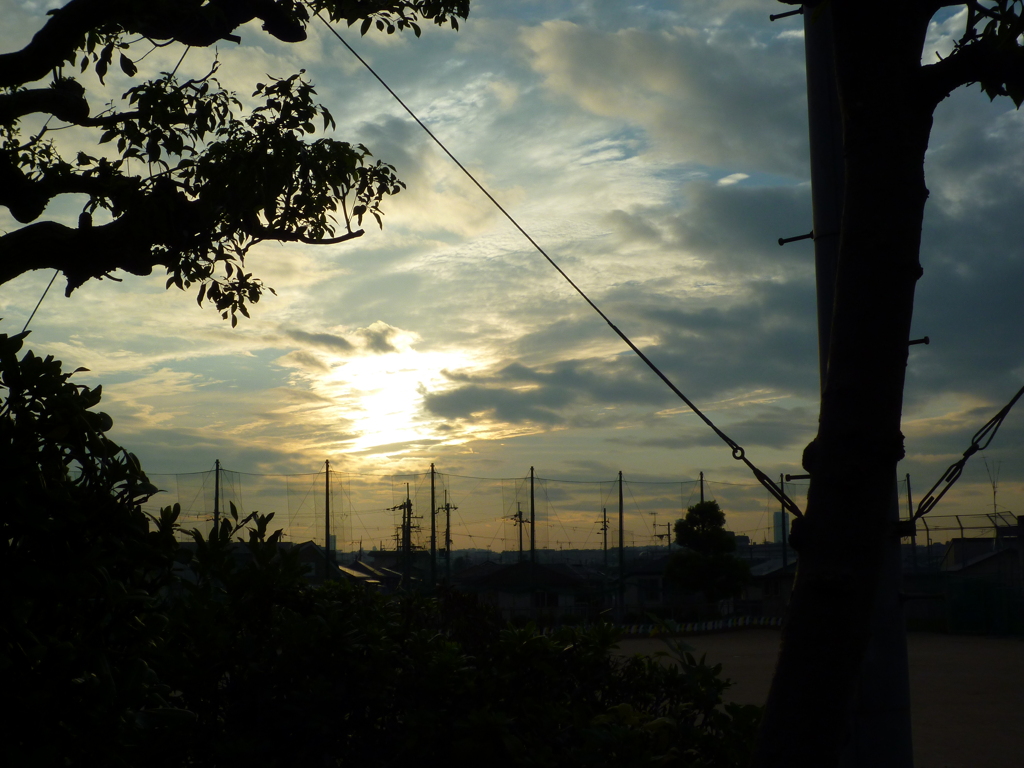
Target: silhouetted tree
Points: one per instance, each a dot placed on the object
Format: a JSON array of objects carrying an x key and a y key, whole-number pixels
[
  {"x": 181, "y": 178},
  {"x": 707, "y": 565},
  {"x": 703, "y": 530},
  {"x": 118, "y": 647},
  {"x": 887, "y": 97}
]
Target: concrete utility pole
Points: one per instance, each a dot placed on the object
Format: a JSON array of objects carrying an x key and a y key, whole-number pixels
[
  {"x": 533, "y": 523},
  {"x": 448, "y": 507},
  {"x": 327, "y": 513},
  {"x": 604, "y": 531},
  {"x": 785, "y": 529},
  {"x": 433, "y": 530},
  {"x": 622, "y": 558},
  {"x": 404, "y": 538},
  {"x": 519, "y": 524},
  {"x": 216, "y": 495},
  {"x": 910, "y": 516},
  {"x": 881, "y": 726}
]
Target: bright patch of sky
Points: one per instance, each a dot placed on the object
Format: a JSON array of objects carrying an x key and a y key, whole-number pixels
[{"x": 657, "y": 151}]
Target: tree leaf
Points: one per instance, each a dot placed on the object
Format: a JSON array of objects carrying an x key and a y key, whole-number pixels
[{"x": 128, "y": 66}]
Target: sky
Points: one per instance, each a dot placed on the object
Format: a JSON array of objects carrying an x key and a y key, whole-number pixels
[{"x": 657, "y": 151}]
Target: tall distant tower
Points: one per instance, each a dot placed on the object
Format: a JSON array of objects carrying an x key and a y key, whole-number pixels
[{"x": 781, "y": 523}]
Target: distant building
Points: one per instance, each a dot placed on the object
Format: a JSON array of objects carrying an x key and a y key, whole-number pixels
[
  {"x": 535, "y": 591},
  {"x": 770, "y": 588},
  {"x": 780, "y": 520}
]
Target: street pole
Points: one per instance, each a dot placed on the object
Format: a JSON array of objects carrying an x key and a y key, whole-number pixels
[
  {"x": 433, "y": 530},
  {"x": 622, "y": 558},
  {"x": 407, "y": 540},
  {"x": 216, "y": 496},
  {"x": 910, "y": 515},
  {"x": 327, "y": 512},
  {"x": 604, "y": 530},
  {"x": 785, "y": 528},
  {"x": 533, "y": 522},
  {"x": 519, "y": 525},
  {"x": 447, "y": 539}
]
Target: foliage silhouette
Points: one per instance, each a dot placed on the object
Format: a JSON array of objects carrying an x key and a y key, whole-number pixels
[
  {"x": 182, "y": 178},
  {"x": 707, "y": 565},
  {"x": 121, "y": 647}
]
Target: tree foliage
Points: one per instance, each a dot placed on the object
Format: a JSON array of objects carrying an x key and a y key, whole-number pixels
[
  {"x": 181, "y": 177},
  {"x": 120, "y": 647},
  {"x": 702, "y": 530},
  {"x": 707, "y": 565}
]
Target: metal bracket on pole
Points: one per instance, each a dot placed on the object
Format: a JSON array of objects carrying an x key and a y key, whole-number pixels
[
  {"x": 923, "y": 340},
  {"x": 808, "y": 236},
  {"x": 777, "y": 16}
]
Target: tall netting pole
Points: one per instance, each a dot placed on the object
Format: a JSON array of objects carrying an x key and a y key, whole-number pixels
[
  {"x": 622, "y": 557},
  {"x": 433, "y": 529},
  {"x": 533, "y": 522},
  {"x": 327, "y": 509},
  {"x": 216, "y": 495}
]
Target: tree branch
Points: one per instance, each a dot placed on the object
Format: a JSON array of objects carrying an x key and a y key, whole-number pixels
[
  {"x": 66, "y": 102},
  {"x": 268, "y": 233},
  {"x": 156, "y": 229},
  {"x": 56, "y": 42},
  {"x": 202, "y": 26},
  {"x": 999, "y": 69},
  {"x": 80, "y": 254},
  {"x": 26, "y": 198}
]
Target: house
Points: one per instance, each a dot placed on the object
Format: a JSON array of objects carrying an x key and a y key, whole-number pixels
[
  {"x": 769, "y": 590},
  {"x": 387, "y": 579},
  {"x": 535, "y": 590}
]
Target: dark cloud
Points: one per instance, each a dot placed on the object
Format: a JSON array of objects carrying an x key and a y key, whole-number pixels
[
  {"x": 969, "y": 299},
  {"x": 767, "y": 341},
  {"x": 377, "y": 338},
  {"x": 507, "y": 405},
  {"x": 632, "y": 227},
  {"x": 395, "y": 447},
  {"x": 327, "y": 341},
  {"x": 735, "y": 228},
  {"x": 186, "y": 450},
  {"x": 305, "y": 360},
  {"x": 716, "y": 99},
  {"x": 770, "y": 427}
]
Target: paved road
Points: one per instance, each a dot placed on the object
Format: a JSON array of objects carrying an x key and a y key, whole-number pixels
[{"x": 967, "y": 693}]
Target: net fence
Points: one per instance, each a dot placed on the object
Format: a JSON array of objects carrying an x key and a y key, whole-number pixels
[{"x": 496, "y": 514}]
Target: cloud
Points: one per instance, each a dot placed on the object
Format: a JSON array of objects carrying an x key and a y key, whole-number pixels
[
  {"x": 732, "y": 178},
  {"x": 693, "y": 91},
  {"x": 735, "y": 229},
  {"x": 305, "y": 361},
  {"x": 378, "y": 337},
  {"x": 772, "y": 427},
  {"x": 327, "y": 341}
]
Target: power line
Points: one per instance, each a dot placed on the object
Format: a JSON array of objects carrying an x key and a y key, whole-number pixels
[
  {"x": 738, "y": 452},
  {"x": 45, "y": 291}
]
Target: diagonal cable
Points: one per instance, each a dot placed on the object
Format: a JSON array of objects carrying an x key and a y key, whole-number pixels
[
  {"x": 737, "y": 451},
  {"x": 979, "y": 442}
]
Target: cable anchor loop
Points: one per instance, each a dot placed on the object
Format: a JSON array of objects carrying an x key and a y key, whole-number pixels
[{"x": 979, "y": 442}]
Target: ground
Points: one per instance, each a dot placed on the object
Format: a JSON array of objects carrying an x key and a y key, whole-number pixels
[{"x": 967, "y": 693}]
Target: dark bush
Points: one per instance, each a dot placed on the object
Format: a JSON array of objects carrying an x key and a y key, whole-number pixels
[{"x": 121, "y": 648}]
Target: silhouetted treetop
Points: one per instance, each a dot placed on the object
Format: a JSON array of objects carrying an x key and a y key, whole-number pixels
[{"x": 182, "y": 176}]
